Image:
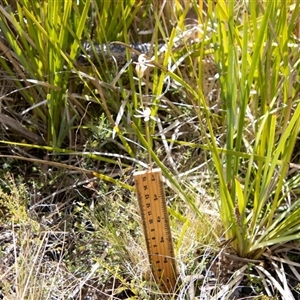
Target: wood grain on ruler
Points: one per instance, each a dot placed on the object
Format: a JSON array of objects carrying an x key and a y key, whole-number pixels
[{"x": 152, "y": 203}]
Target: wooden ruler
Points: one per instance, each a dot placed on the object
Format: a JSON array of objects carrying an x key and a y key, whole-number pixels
[{"x": 152, "y": 203}]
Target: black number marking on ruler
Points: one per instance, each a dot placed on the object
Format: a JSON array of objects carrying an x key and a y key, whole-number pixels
[{"x": 153, "y": 208}]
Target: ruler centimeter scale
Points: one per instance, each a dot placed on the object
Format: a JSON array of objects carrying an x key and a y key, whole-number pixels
[{"x": 155, "y": 219}]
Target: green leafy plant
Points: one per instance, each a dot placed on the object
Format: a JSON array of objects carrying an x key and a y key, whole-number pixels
[
  {"x": 42, "y": 57},
  {"x": 259, "y": 92},
  {"x": 217, "y": 109}
]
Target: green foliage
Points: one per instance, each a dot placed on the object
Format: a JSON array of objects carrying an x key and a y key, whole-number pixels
[
  {"x": 13, "y": 201},
  {"x": 42, "y": 56},
  {"x": 237, "y": 155},
  {"x": 259, "y": 92}
]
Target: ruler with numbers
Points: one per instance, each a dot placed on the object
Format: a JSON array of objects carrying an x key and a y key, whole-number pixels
[{"x": 153, "y": 208}]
